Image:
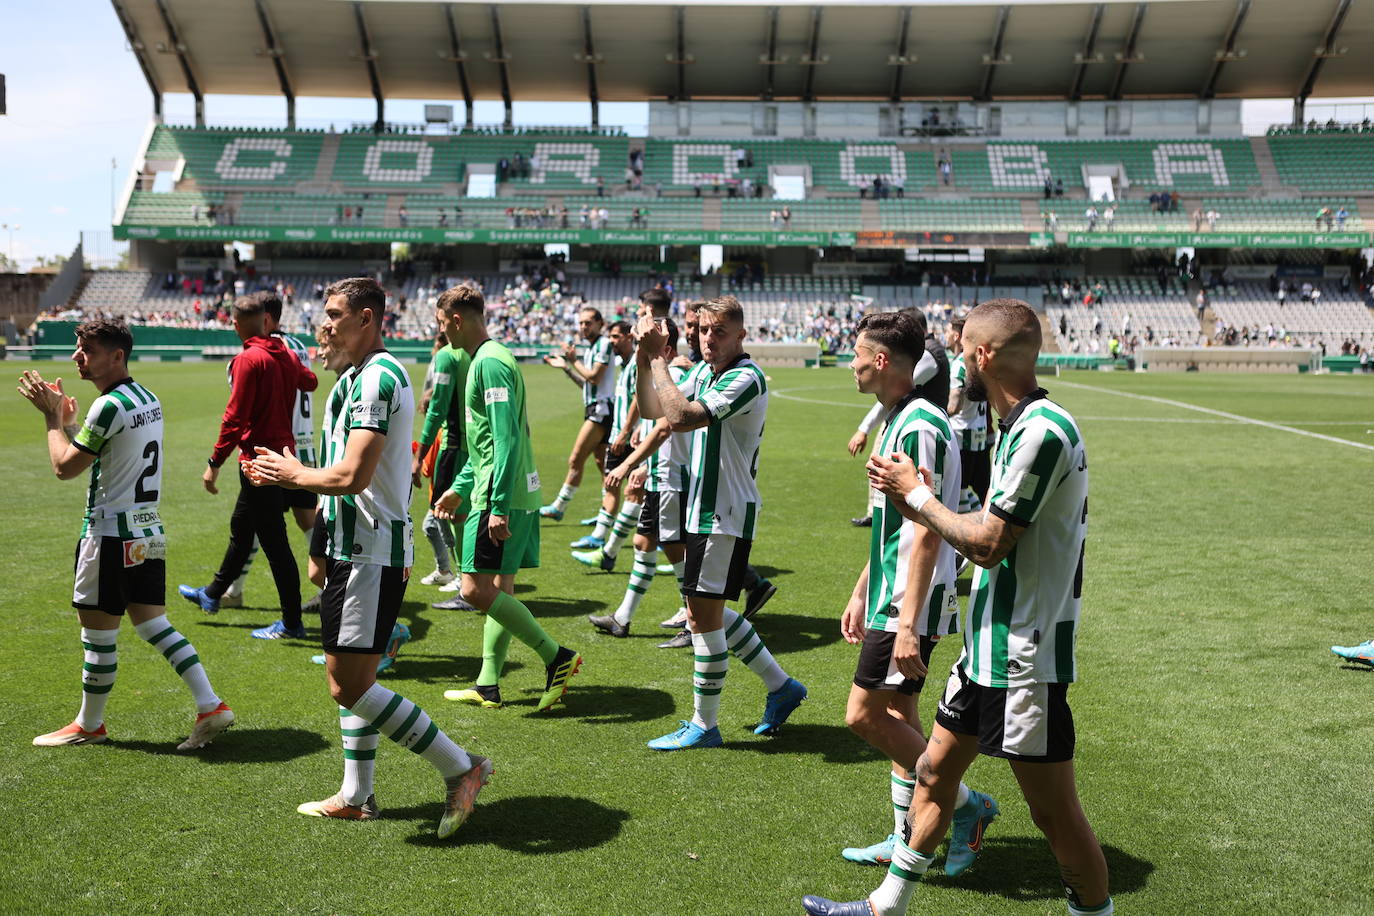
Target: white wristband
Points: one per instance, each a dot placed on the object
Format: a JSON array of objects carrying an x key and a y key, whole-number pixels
[{"x": 917, "y": 497}]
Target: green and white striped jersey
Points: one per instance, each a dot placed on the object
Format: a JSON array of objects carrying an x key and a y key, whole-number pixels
[
  {"x": 722, "y": 494},
  {"x": 1023, "y": 613},
  {"x": 302, "y": 419},
  {"x": 626, "y": 381},
  {"x": 920, "y": 429},
  {"x": 374, "y": 526},
  {"x": 596, "y": 353},
  {"x": 332, "y": 438},
  {"x": 661, "y": 462},
  {"x": 123, "y": 430},
  {"x": 677, "y": 451},
  {"x": 970, "y": 425}
]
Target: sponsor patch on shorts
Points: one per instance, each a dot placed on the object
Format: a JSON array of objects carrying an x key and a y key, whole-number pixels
[{"x": 140, "y": 550}]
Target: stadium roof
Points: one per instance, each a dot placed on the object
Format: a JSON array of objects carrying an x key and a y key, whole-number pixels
[{"x": 619, "y": 50}]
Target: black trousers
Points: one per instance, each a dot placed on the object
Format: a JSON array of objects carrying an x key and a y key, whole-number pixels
[{"x": 260, "y": 512}]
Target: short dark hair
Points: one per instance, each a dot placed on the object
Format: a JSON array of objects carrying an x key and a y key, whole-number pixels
[
  {"x": 920, "y": 319},
  {"x": 271, "y": 303},
  {"x": 463, "y": 298},
  {"x": 895, "y": 332},
  {"x": 957, "y": 325},
  {"x": 658, "y": 301},
  {"x": 359, "y": 293},
  {"x": 249, "y": 307},
  {"x": 672, "y": 333},
  {"x": 109, "y": 333},
  {"x": 621, "y": 326},
  {"x": 596, "y": 313}
]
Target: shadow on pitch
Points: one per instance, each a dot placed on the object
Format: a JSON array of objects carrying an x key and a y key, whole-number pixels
[
  {"x": 564, "y": 607},
  {"x": 240, "y": 745},
  {"x": 431, "y": 669},
  {"x": 1023, "y": 868},
  {"x": 784, "y": 633},
  {"x": 598, "y": 705},
  {"x": 834, "y": 743},
  {"x": 527, "y": 824},
  {"x": 772, "y": 572}
]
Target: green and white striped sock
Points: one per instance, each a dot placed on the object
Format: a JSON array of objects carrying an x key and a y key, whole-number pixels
[
  {"x": 181, "y": 655},
  {"x": 565, "y": 495},
  {"x": 360, "y": 756},
  {"x": 903, "y": 787},
  {"x": 410, "y": 727},
  {"x": 892, "y": 896},
  {"x": 604, "y": 520},
  {"x": 641, "y": 577},
  {"x": 97, "y": 675},
  {"x": 624, "y": 526},
  {"x": 748, "y": 647},
  {"x": 710, "y": 664}
]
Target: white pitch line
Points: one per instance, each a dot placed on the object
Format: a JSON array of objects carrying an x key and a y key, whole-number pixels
[{"x": 1217, "y": 413}]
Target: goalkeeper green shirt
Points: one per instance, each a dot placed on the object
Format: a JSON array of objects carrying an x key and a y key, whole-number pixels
[
  {"x": 503, "y": 474},
  {"x": 446, "y": 405}
]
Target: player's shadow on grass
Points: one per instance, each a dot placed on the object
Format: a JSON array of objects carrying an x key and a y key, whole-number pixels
[
  {"x": 1364, "y": 668},
  {"x": 597, "y": 705},
  {"x": 415, "y": 615},
  {"x": 1023, "y": 868},
  {"x": 772, "y": 572},
  {"x": 551, "y": 606},
  {"x": 432, "y": 669},
  {"x": 241, "y": 745},
  {"x": 784, "y": 633},
  {"x": 834, "y": 743},
  {"x": 531, "y": 825}
]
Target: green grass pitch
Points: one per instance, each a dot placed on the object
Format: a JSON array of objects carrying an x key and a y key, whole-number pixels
[{"x": 1223, "y": 756}]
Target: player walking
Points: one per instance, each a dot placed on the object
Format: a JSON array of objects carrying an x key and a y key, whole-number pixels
[
  {"x": 1008, "y": 694},
  {"x": 501, "y": 535},
  {"x": 366, "y": 482},
  {"x": 594, "y": 371},
  {"x": 121, "y": 557},
  {"x": 969, "y": 420},
  {"x": 904, "y": 600},
  {"x": 725, "y": 410}
]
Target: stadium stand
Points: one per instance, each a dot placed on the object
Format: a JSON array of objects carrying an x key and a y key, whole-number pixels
[{"x": 1324, "y": 162}]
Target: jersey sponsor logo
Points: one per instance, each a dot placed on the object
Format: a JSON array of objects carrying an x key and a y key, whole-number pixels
[
  {"x": 532, "y": 481},
  {"x": 441, "y": 378},
  {"x": 371, "y": 411},
  {"x": 144, "y": 518},
  {"x": 494, "y": 395}
]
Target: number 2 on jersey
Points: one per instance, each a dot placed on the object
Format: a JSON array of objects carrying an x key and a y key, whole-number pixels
[{"x": 150, "y": 451}]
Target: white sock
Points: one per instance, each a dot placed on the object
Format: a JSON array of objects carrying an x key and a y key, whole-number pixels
[
  {"x": 892, "y": 896},
  {"x": 181, "y": 655},
  {"x": 410, "y": 727},
  {"x": 963, "y": 796},
  {"x": 902, "y": 790},
  {"x": 97, "y": 675},
  {"x": 1106, "y": 909},
  {"x": 360, "y": 757},
  {"x": 748, "y": 647},
  {"x": 624, "y": 526},
  {"x": 680, "y": 572},
  {"x": 235, "y": 589},
  {"x": 641, "y": 577},
  {"x": 565, "y": 495},
  {"x": 604, "y": 520},
  {"x": 710, "y": 662}
]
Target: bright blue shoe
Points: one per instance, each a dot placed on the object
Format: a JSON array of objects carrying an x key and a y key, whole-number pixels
[
  {"x": 588, "y": 522},
  {"x": 819, "y": 906},
  {"x": 880, "y": 853},
  {"x": 278, "y": 630},
  {"x": 198, "y": 597},
  {"x": 1363, "y": 653},
  {"x": 588, "y": 542},
  {"x": 966, "y": 836},
  {"x": 400, "y": 635},
  {"x": 597, "y": 558},
  {"x": 550, "y": 512},
  {"x": 687, "y": 737},
  {"x": 781, "y": 704}
]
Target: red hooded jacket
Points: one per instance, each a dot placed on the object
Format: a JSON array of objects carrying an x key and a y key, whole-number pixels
[{"x": 264, "y": 380}]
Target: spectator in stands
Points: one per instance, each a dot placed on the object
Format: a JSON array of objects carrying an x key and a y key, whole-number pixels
[
  {"x": 1201, "y": 303},
  {"x": 1049, "y": 188},
  {"x": 404, "y": 216},
  {"x": 1212, "y": 217},
  {"x": 1342, "y": 214},
  {"x": 601, "y": 187},
  {"x": 1090, "y": 216},
  {"x": 532, "y": 165},
  {"x": 443, "y": 218},
  {"x": 1059, "y": 187},
  {"x": 946, "y": 167},
  {"x": 786, "y": 216},
  {"x": 1323, "y": 216},
  {"x": 195, "y": 213},
  {"x": 1099, "y": 293},
  {"x": 1109, "y": 216}
]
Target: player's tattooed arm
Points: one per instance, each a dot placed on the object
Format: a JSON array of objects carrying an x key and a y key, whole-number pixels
[{"x": 984, "y": 539}]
